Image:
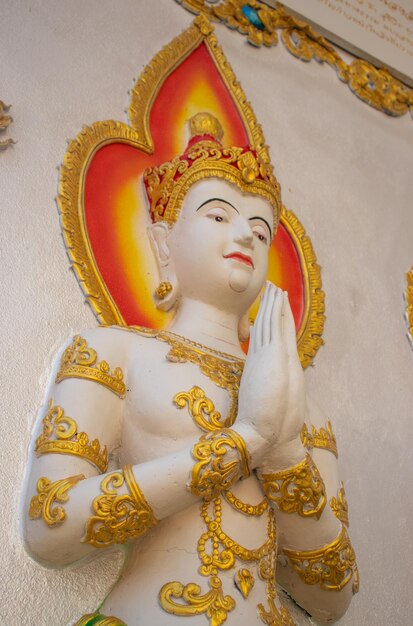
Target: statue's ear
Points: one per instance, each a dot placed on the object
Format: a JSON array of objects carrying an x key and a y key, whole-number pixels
[
  {"x": 158, "y": 235},
  {"x": 167, "y": 293}
]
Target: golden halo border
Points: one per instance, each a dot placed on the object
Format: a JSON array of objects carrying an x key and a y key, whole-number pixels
[
  {"x": 409, "y": 305},
  {"x": 376, "y": 87},
  {"x": 81, "y": 150}
]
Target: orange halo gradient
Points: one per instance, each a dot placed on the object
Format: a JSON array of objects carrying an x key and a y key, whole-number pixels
[{"x": 115, "y": 206}]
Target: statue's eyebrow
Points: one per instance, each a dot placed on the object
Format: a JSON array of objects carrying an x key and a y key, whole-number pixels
[
  {"x": 219, "y": 200},
  {"x": 257, "y": 217}
]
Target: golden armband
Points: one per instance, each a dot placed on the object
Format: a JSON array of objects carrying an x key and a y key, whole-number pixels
[
  {"x": 61, "y": 436},
  {"x": 81, "y": 361},
  {"x": 119, "y": 517},
  {"x": 222, "y": 458},
  {"x": 43, "y": 505},
  {"x": 299, "y": 489},
  {"x": 323, "y": 438},
  {"x": 330, "y": 567}
]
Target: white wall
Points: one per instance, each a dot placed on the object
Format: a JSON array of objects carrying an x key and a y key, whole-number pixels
[{"x": 345, "y": 169}]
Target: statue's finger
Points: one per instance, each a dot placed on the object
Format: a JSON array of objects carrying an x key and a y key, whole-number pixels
[
  {"x": 276, "y": 319},
  {"x": 289, "y": 332},
  {"x": 266, "y": 322},
  {"x": 259, "y": 320}
]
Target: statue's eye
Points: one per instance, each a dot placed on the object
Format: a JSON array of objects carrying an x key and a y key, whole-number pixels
[
  {"x": 218, "y": 218},
  {"x": 260, "y": 233},
  {"x": 218, "y": 214}
]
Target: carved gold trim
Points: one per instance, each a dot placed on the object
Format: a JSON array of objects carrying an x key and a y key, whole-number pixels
[
  {"x": 82, "y": 149},
  {"x": 5, "y": 121},
  {"x": 330, "y": 567},
  {"x": 409, "y": 304},
  {"x": 42, "y": 505},
  {"x": 299, "y": 489},
  {"x": 118, "y": 518},
  {"x": 201, "y": 408},
  {"x": 244, "y": 581},
  {"x": 80, "y": 361},
  {"x": 339, "y": 506},
  {"x": 376, "y": 87},
  {"x": 60, "y": 435},
  {"x": 323, "y": 438},
  {"x": 214, "y": 471}
]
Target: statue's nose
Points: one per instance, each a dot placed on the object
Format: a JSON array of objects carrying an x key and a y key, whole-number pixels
[{"x": 242, "y": 232}]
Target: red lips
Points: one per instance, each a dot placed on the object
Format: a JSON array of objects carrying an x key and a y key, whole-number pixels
[{"x": 242, "y": 258}]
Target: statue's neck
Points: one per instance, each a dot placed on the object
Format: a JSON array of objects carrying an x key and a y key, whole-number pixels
[{"x": 208, "y": 326}]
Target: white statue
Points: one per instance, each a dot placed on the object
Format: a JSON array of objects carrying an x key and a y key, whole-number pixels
[{"x": 144, "y": 440}]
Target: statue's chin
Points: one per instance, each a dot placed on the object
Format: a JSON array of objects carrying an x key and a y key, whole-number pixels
[{"x": 239, "y": 279}]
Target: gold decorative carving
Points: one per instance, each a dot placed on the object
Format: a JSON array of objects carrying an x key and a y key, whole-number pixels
[
  {"x": 339, "y": 506},
  {"x": 330, "y": 567},
  {"x": 376, "y": 87},
  {"x": 213, "y": 603},
  {"x": 214, "y": 471},
  {"x": 82, "y": 149},
  {"x": 244, "y": 581},
  {"x": 118, "y": 518},
  {"x": 223, "y": 369},
  {"x": 201, "y": 408},
  {"x": 43, "y": 505},
  {"x": 323, "y": 438},
  {"x": 80, "y": 361},
  {"x": 5, "y": 121},
  {"x": 299, "y": 489},
  {"x": 409, "y": 303},
  {"x": 60, "y": 435}
]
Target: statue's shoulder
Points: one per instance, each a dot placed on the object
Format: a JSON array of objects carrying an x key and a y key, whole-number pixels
[{"x": 114, "y": 344}]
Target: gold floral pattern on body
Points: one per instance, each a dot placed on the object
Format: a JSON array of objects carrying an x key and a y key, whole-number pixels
[
  {"x": 80, "y": 361},
  {"x": 323, "y": 438},
  {"x": 43, "y": 505},
  {"x": 339, "y": 506},
  {"x": 119, "y": 517},
  {"x": 224, "y": 370},
  {"x": 61, "y": 436},
  {"x": 298, "y": 489},
  {"x": 330, "y": 567}
]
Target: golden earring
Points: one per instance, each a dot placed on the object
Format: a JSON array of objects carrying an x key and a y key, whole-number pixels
[{"x": 163, "y": 289}]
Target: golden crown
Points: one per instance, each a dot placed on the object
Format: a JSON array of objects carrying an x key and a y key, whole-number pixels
[{"x": 167, "y": 184}]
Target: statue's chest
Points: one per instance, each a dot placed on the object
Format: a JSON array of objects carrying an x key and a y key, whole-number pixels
[{"x": 170, "y": 402}]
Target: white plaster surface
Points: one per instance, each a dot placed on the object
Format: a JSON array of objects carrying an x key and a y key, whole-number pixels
[{"x": 346, "y": 171}]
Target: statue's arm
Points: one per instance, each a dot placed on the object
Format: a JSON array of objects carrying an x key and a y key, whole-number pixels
[
  {"x": 73, "y": 504},
  {"x": 316, "y": 562}
]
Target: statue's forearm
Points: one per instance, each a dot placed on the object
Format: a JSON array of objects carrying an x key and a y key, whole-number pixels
[{"x": 71, "y": 514}]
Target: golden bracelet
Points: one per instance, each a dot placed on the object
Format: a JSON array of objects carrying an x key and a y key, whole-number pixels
[
  {"x": 299, "y": 489},
  {"x": 213, "y": 473},
  {"x": 43, "y": 505},
  {"x": 118, "y": 518},
  {"x": 330, "y": 567}
]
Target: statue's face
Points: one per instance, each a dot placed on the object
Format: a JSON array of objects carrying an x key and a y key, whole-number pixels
[{"x": 219, "y": 245}]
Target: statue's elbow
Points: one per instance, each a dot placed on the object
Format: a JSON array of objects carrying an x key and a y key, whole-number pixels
[{"x": 334, "y": 606}]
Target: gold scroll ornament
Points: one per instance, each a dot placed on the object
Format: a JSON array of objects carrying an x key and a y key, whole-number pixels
[
  {"x": 261, "y": 24},
  {"x": 48, "y": 493},
  {"x": 61, "y": 436},
  {"x": 92, "y": 138},
  {"x": 339, "y": 506}
]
